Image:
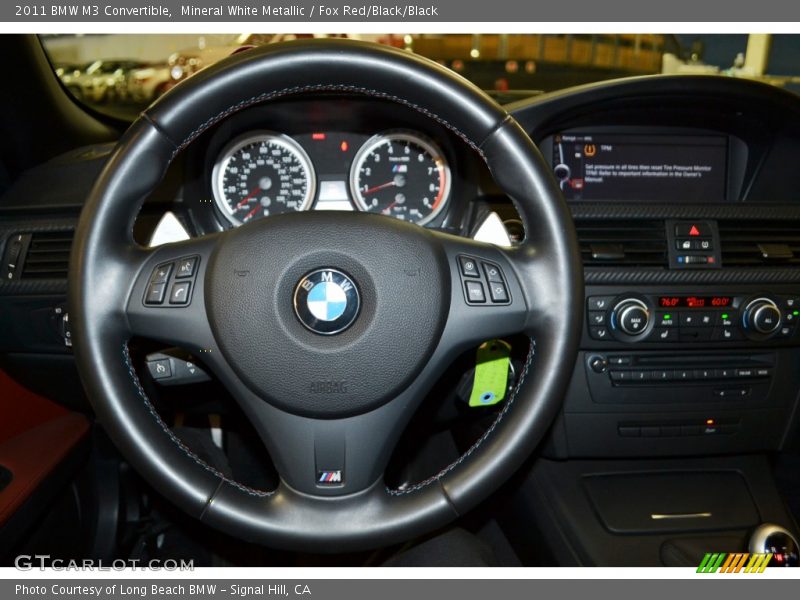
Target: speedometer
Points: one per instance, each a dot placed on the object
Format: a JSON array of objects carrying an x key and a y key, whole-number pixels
[
  {"x": 401, "y": 174},
  {"x": 260, "y": 175}
]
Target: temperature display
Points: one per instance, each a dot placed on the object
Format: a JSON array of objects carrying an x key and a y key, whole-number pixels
[{"x": 695, "y": 301}]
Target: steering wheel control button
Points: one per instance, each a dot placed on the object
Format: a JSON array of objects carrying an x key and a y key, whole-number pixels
[
  {"x": 159, "y": 369},
  {"x": 174, "y": 366},
  {"x": 475, "y": 294},
  {"x": 161, "y": 273},
  {"x": 180, "y": 293},
  {"x": 326, "y": 301},
  {"x": 493, "y": 273},
  {"x": 174, "y": 278},
  {"x": 498, "y": 292},
  {"x": 475, "y": 277},
  {"x": 186, "y": 267},
  {"x": 469, "y": 266},
  {"x": 155, "y": 293}
]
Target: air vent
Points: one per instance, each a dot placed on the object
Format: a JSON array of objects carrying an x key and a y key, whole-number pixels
[
  {"x": 757, "y": 243},
  {"x": 622, "y": 242},
  {"x": 47, "y": 256}
]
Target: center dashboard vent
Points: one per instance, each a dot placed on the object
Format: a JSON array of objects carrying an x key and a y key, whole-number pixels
[
  {"x": 759, "y": 243},
  {"x": 628, "y": 242}
]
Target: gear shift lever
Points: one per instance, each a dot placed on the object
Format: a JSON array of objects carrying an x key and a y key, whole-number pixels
[{"x": 769, "y": 538}]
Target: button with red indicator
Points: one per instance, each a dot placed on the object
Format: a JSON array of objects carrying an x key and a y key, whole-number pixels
[{"x": 697, "y": 229}]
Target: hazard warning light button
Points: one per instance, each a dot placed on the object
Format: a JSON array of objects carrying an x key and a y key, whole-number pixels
[{"x": 698, "y": 229}]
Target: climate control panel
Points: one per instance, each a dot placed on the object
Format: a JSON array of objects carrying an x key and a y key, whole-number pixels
[{"x": 632, "y": 317}]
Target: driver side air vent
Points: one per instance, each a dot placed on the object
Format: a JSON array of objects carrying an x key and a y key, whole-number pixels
[
  {"x": 747, "y": 243},
  {"x": 38, "y": 255},
  {"x": 630, "y": 243}
]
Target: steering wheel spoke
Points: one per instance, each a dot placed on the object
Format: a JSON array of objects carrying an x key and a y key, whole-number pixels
[{"x": 329, "y": 457}]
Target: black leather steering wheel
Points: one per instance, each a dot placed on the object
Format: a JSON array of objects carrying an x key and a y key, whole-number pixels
[{"x": 413, "y": 317}]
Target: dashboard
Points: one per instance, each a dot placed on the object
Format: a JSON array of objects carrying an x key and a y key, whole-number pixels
[{"x": 683, "y": 191}]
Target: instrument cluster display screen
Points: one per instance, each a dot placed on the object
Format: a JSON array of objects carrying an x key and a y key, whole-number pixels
[{"x": 641, "y": 167}]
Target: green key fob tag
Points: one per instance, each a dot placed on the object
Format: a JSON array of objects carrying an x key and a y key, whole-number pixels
[{"x": 491, "y": 373}]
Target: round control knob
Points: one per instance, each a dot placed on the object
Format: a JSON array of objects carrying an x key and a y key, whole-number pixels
[
  {"x": 762, "y": 315},
  {"x": 598, "y": 364},
  {"x": 632, "y": 316}
]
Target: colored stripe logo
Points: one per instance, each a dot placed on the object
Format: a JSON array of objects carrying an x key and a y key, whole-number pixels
[
  {"x": 738, "y": 562},
  {"x": 329, "y": 477}
]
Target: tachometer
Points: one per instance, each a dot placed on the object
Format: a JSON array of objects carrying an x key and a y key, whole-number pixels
[
  {"x": 262, "y": 174},
  {"x": 402, "y": 175}
]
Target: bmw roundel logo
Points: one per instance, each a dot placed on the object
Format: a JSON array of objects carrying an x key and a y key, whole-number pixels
[{"x": 326, "y": 301}]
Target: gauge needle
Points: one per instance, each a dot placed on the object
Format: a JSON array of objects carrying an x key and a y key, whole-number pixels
[
  {"x": 388, "y": 209},
  {"x": 252, "y": 212},
  {"x": 379, "y": 187},
  {"x": 244, "y": 200}
]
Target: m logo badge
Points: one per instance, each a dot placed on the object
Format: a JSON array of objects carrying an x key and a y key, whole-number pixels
[
  {"x": 326, "y": 301},
  {"x": 329, "y": 478}
]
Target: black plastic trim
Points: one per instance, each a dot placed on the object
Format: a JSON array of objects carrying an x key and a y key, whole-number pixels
[{"x": 720, "y": 211}]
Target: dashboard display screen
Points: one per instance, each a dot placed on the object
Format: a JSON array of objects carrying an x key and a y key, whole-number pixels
[
  {"x": 641, "y": 167},
  {"x": 695, "y": 301}
]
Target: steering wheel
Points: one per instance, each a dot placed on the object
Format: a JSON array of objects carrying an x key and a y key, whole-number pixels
[{"x": 329, "y": 393}]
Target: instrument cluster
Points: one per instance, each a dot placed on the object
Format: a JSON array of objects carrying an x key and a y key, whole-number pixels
[{"x": 399, "y": 173}]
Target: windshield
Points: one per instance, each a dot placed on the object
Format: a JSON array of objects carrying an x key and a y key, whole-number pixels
[{"x": 120, "y": 74}]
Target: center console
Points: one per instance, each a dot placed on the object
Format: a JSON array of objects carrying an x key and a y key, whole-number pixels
[
  {"x": 687, "y": 379},
  {"x": 675, "y": 370},
  {"x": 661, "y": 453}
]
